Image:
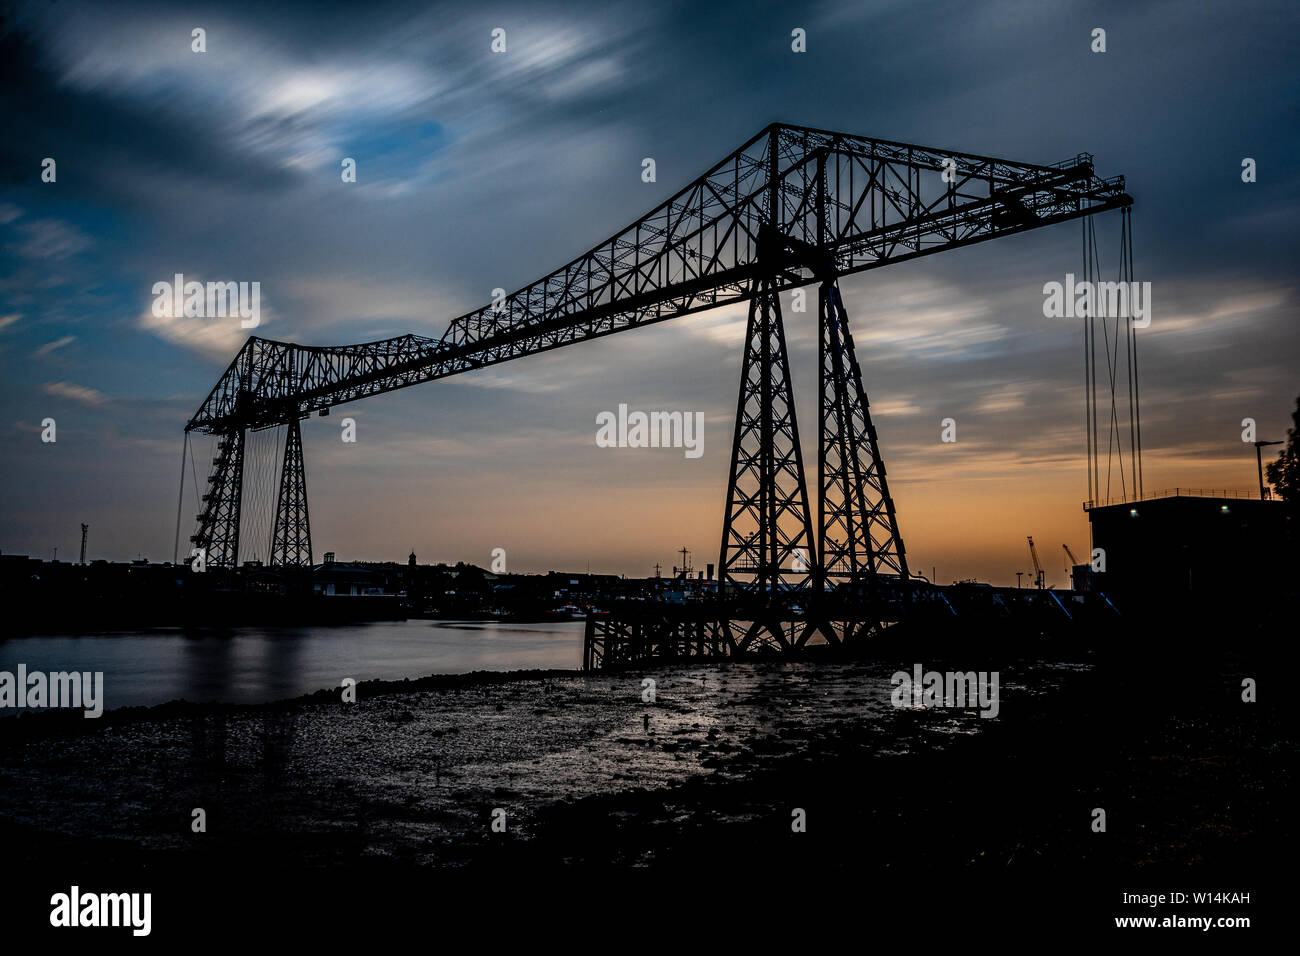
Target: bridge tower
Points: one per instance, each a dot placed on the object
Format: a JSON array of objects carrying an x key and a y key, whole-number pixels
[
  {"x": 291, "y": 544},
  {"x": 218, "y": 533},
  {"x": 767, "y": 535},
  {"x": 770, "y": 557}
]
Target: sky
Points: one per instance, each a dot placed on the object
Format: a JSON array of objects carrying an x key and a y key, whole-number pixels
[{"x": 478, "y": 170}]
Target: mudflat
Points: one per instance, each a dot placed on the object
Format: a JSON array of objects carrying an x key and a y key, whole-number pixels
[{"x": 762, "y": 763}]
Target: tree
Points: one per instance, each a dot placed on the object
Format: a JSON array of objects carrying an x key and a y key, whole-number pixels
[{"x": 1284, "y": 474}]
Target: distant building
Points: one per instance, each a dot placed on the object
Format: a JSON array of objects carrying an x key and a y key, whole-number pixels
[{"x": 333, "y": 578}]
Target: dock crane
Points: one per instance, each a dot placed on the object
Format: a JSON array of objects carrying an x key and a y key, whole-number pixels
[
  {"x": 1039, "y": 575},
  {"x": 1070, "y": 554},
  {"x": 1081, "y": 576}
]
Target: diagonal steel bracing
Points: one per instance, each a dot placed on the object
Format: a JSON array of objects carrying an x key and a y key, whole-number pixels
[
  {"x": 859, "y": 530},
  {"x": 859, "y": 535}
]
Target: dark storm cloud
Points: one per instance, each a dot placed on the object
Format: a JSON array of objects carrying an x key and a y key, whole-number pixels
[{"x": 477, "y": 171}]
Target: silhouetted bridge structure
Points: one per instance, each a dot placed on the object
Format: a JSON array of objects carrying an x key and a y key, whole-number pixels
[
  {"x": 647, "y": 632},
  {"x": 791, "y": 207}
]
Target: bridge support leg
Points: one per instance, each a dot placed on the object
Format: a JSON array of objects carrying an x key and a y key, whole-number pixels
[
  {"x": 291, "y": 545},
  {"x": 859, "y": 529},
  {"x": 218, "y": 533},
  {"x": 768, "y": 547}
]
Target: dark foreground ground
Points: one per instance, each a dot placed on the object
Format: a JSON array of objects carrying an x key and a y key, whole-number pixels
[{"x": 326, "y": 800}]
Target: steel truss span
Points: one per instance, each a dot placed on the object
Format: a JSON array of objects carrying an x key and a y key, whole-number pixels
[{"x": 791, "y": 207}]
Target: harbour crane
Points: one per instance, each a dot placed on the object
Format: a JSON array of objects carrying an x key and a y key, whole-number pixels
[
  {"x": 1039, "y": 575},
  {"x": 1070, "y": 554}
]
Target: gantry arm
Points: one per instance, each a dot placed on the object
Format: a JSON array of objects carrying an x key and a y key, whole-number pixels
[{"x": 807, "y": 202}]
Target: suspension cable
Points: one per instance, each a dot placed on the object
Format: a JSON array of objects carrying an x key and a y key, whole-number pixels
[
  {"x": 1097, "y": 490},
  {"x": 1137, "y": 385},
  {"x": 180, "y": 500},
  {"x": 1087, "y": 368}
]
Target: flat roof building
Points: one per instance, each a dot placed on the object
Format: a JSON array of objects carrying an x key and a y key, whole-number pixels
[{"x": 1216, "y": 547}]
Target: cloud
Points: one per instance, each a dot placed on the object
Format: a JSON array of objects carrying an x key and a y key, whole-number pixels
[
  {"x": 218, "y": 338},
  {"x": 303, "y": 101},
  {"x": 50, "y": 239},
  {"x": 49, "y": 347},
  {"x": 8, "y": 320},
  {"x": 895, "y": 408},
  {"x": 928, "y": 318},
  {"x": 413, "y": 305},
  {"x": 724, "y": 325},
  {"x": 1002, "y": 400},
  {"x": 77, "y": 393}
]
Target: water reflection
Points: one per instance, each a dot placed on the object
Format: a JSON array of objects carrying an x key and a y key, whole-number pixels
[{"x": 256, "y": 664}]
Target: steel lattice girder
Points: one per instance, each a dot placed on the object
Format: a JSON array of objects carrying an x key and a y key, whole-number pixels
[{"x": 860, "y": 203}]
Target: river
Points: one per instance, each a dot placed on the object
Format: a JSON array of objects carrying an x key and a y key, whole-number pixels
[{"x": 247, "y": 665}]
